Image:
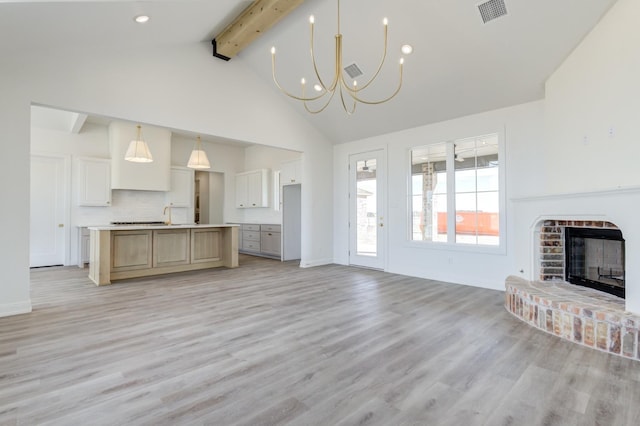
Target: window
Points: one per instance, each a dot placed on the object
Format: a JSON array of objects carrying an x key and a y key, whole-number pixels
[{"x": 455, "y": 192}]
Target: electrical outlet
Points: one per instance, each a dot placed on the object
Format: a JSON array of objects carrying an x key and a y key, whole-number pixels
[{"x": 611, "y": 131}]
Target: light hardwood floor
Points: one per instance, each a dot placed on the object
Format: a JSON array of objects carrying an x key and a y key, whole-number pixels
[{"x": 270, "y": 343}]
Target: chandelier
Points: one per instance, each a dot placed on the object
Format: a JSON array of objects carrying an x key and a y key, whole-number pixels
[{"x": 350, "y": 93}]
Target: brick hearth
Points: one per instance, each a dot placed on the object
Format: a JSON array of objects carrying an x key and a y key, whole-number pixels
[{"x": 577, "y": 314}]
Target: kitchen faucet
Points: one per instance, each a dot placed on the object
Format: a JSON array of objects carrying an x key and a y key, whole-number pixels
[{"x": 167, "y": 222}]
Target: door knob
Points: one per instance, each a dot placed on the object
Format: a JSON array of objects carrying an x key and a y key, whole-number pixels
[{"x": 61, "y": 225}]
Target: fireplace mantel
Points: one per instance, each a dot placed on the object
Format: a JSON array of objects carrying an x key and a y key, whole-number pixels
[{"x": 618, "y": 206}]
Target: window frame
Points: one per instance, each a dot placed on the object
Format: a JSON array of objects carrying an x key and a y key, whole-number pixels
[{"x": 451, "y": 244}]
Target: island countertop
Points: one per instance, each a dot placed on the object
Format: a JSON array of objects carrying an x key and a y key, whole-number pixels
[
  {"x": 128, "y": 251},
  {"x": 159, "y": 226}
]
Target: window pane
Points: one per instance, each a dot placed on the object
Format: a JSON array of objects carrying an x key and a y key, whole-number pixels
[
  {"x": 466, "y": 218},
  {"x": 366, "y": 208},
  {"x": 429, "y": 193}
]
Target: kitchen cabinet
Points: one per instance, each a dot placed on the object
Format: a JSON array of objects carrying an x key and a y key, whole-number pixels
[
  {"x": 261, "y": 240},
  {"x": 250, "y": 238},
  {"x": 206, "y": 245},
  {"x": 291, "y": 172},
  {"x": 181, "y": 192},
  {"x": 171, "y": 247},
  {"x": 145, "y": 250},
  {"x": 270, "y": 242},
  {"x": 84, "y": 247},
  {"x": 94, "y": 181},
  {"x": 131, "y": 250},
  {"x": 252, "y": 189}
]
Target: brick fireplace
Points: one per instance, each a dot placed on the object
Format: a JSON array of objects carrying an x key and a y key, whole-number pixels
[
  {"x": 551, "y": 245},
  {"x": 554, "y": 253},
  {"x": 576, "y": 313}
]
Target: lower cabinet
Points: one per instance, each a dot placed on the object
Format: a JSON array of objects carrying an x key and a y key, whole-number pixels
[
  {"x": 206, "y": 245},
  {"x": 261, "y": 240},
  {"x": 270, "y": 242},
  {"x": 122, "y": 254},
  {"x": 251, "y": 238},
  {"x": 131, "y": 250},
  {"x": 84, "y": 246},
  {"x": 171, "y": 247}
]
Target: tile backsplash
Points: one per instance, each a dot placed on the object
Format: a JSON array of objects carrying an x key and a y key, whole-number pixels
[{"x": 127, "y": 205}]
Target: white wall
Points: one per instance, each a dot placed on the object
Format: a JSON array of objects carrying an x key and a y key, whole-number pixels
[
  {"x": 522, "y": 126},
  {"x": 596, "y": 89},
  {"x": 179, "y": 87}
]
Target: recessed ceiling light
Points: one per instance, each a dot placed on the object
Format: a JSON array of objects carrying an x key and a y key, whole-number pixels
[
  {"x": 407, "y": 49},
  {"x": 141, "y": 19},
  {"x": 317, "y": 88}
]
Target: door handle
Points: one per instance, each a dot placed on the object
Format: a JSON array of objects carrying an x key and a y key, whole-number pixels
[{"x": 61, "y": 225}]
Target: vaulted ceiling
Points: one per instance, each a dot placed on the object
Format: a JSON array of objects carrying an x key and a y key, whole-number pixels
[{"x": 459, "y": 66}]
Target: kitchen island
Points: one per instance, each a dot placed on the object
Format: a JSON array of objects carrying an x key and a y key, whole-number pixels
[{"x": 121, "y": 252}]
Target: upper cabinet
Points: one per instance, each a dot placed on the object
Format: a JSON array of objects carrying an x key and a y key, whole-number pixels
[
  {"x": 181, "y": 193},
  {"x": 94, "y": 181},
  {"x": 252, "y": 189},
  {"x": 154, "y": 176},
  {"x": 291, "y": 172}
]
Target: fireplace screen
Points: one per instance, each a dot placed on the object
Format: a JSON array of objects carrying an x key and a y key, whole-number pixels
[{"x": 595, "y": 258}]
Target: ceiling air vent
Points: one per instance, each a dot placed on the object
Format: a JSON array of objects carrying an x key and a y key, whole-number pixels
[
  {"x": 492, "y": 9},
  {"x": 353, "y": 70}
]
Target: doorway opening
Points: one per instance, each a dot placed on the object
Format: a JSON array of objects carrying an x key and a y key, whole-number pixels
[{"x": 209, "y": 198}]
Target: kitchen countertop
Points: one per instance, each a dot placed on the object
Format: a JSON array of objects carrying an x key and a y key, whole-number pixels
[{"x": 172, "y": 226}]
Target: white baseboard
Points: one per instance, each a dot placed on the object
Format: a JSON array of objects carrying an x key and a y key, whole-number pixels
[
  {"x": 8, "y": 309},
  {"x": 312, "y": 263}
]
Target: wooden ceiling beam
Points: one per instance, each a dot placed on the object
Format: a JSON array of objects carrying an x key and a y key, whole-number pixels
[{"x": 251, "y": 24}]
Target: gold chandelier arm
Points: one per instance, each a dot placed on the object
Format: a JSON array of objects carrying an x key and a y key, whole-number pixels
[
  {"x": 315, "y": 67},
  {"x": 344, "y": 105},
  {"x": 354, "y": 93},
  {"x": 326, "y": 104},
  {"x": 275, "y": 80},
  {"x": 382, "y": 61}
]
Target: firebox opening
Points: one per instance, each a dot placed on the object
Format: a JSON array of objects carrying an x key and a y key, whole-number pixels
[{"x": 595, "y": 258}]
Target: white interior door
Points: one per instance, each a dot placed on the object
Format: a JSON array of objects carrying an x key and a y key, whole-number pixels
[
  {"x": 48, "y": 210},
  {"x": 367, "y": 181}
]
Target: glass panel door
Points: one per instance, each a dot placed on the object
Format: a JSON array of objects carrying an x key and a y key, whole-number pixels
[{"x": 366, "y": 204}]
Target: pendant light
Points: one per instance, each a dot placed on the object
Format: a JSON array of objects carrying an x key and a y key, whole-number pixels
[
  {"x": 198, "y": 158},
  {"x": 138, "y": 151}
]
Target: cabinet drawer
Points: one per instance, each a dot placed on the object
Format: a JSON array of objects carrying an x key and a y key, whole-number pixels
[
  {"x": 249, "y": 245},
  {"x": 270, "y": 228},
  {"x": 248, "y": 227},
  {"x": 250, "y": 235}
]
